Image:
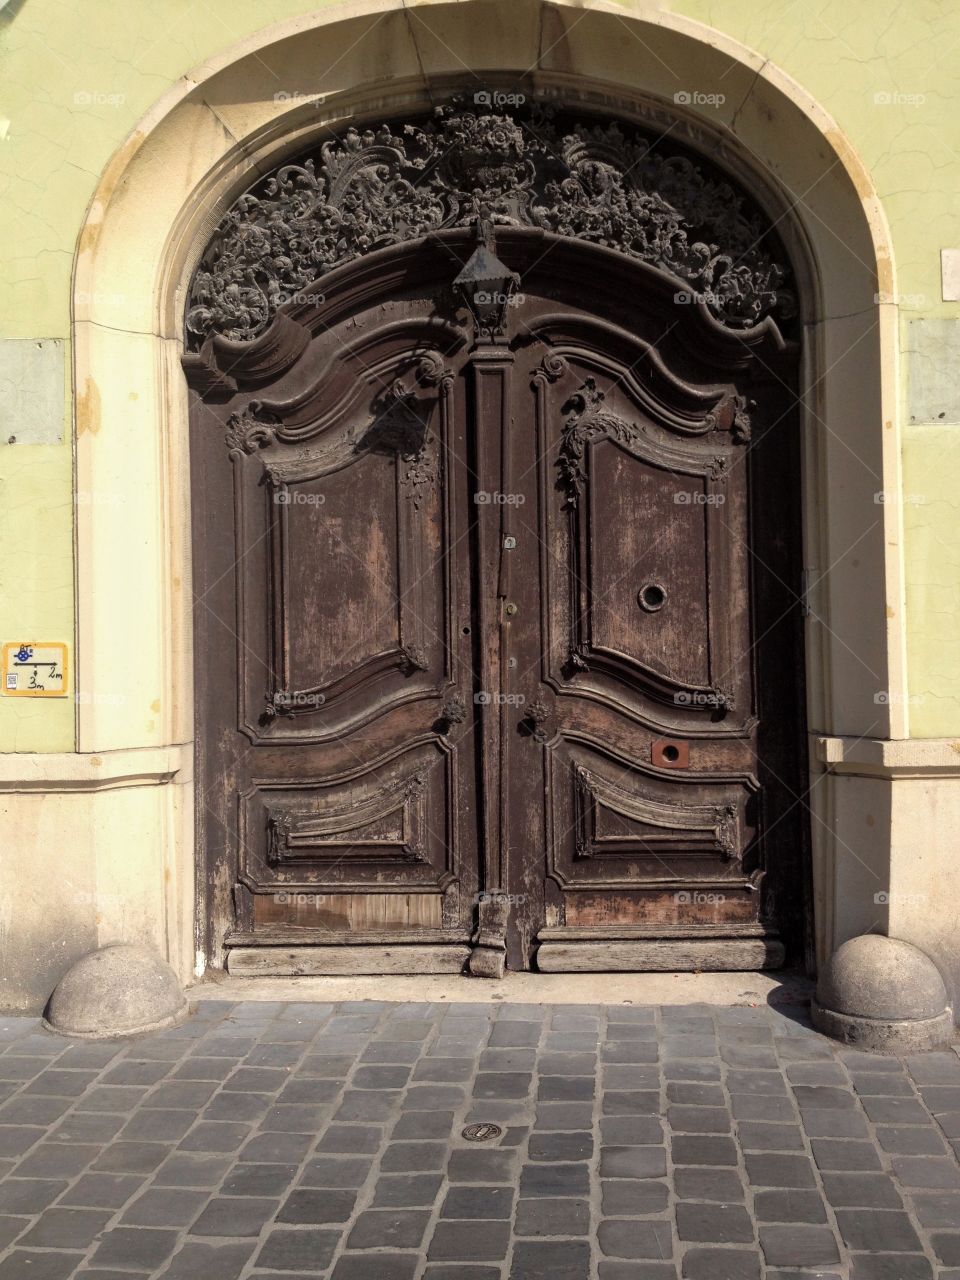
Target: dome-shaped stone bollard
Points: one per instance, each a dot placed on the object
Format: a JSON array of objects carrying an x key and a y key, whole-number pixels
[
  {"x": 120, "y": 990},
  {"x": 884, "y": 994}
]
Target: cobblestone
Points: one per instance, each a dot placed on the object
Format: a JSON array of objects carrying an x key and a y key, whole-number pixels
[{"x": 265, "y": 1140}]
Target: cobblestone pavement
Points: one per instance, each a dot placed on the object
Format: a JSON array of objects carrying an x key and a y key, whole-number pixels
[{"x": 286, "y": 1140}]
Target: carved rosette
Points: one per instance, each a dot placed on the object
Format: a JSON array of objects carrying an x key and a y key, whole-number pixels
[{"x": 372, "y": 189}]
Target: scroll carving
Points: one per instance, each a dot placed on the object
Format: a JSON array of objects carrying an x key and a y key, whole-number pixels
[{"x": 371, "y": 189}]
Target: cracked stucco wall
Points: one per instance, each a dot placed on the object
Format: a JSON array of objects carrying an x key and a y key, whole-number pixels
[{"x": 76, "y": 75}]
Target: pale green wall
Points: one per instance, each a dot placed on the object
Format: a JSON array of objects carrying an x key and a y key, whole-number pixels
[{"x": 124, "y": 54}]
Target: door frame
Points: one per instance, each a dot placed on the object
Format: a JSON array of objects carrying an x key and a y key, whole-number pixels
[{"x": 151, "y": 214}]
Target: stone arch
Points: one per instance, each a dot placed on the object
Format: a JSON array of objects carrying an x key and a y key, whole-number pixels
[{"x": 163, "y": 192}]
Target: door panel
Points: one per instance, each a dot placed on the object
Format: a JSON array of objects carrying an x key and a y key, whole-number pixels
[{"x": 496, "y": 638}]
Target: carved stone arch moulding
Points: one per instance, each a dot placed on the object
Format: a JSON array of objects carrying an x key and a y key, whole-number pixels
[{"x": 543, "y": 168}]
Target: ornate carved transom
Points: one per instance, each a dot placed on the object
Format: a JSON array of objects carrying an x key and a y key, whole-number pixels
[{"x": 380, "y": 187}]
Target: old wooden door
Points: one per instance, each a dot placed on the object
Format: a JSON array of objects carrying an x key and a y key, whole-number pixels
[{"x": 497, "y": 627}]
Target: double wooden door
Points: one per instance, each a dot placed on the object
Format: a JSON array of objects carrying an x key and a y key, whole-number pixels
[{"x": 497, "y": 641}]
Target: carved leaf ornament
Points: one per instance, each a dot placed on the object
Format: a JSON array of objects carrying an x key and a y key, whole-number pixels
[{"x": 372, "y": 189}]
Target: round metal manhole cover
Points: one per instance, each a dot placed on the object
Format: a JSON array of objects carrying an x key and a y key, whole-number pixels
[{"x": 482, "y": 1132}]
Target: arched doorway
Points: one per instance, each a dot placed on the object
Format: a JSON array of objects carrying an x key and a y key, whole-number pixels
[{"x": 496, "y": 503}]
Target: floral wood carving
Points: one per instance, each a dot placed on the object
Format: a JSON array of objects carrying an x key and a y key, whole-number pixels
[
  {"x": 588, "y": 420},
  {"x": 368, "y": 190}
]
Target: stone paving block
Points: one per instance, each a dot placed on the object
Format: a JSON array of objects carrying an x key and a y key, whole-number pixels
[
  {"x": 758, "y": 1135},
  {"x": 388, "y": 1228},
  {"x": 187, "y": 1169},
  {"x": 934, "y": 1068},
  {"x": 946, "y": 1245},
  {"x": 713, "y": 1223},
  {"x": 28, "y": 1196},
  {"x": 469, "y": 1241},
  {"x": 692, "y": 1093},
  {"x": 635, "y": 1238},
  {"x": 774, "y": 1170},
  {"x": 292, "y": 1248},
  {"x": 564, "y": 1115},
  {"x": 877, "y": 1230},
  {"x": 633, "y": 1162},
  {"x": 941, "y": 1173},
  {"x": 708, "y": 1149},
  {"x": 829, "y": 1123},
  {"x": 412, "y": 1157},
  {"x": 350, "y": 1139},
  {"x": 823, "y": 1097},
  {"x": 406, "y": 1190},
  {"x": 721, "y": 1264},
  {"x": 844, "y": 1155},
  {"x": 215, "y": 1136},
  {"x": 423, "y": 1124},
  {"x": 482, "y": 1166},
  {"x": 556, "y": 1179},
  {"x": 693, "y": 1183},
  {"x": 379, "y": 1077},
  {"x": 701, "y": 1071},
  {"x": 502, "y": 1084},
  {"x": 162, "y": 1207},
  {"x": 895, "y": 1110},
  {"x": 798, "y": 1245},
  {"x": 561, "y": 1146},
  {"x": 39, "y": 1265},
  {"x": 226, "y": 1216},
  {"x": 464, "y": 1201},
  {"x": 694, "y": 1119},
  {"x": 60, "y": 1159},
  {"x": 789, "y": 1206},
  {"x": 623, "y": 1198},
  {"x": 749, "y": 1106},
  {"x": 861, "y": 1190},
  {"x": 453, "y": 1272},
  {"x": 380, "y": 1266},
  {"x": 876, "y": 1085},
  {"x": 536, "y": 1260},
  {"x": 65, "y": 1229},
  {"x": 635, "y": 1131},
  {"x": 137, "y": 1248},
  {"x": 892, "y": 1266},
  {"x": 911, "y": 1140},
  {"x": 937, "y": 1208},
  {"x": 99, "y": 1190}
]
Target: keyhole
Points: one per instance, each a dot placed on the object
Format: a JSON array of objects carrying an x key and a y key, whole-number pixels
[
  {"x": 671, "y": 753},
  {"x": 466, "y": 631},
  {"x": 651, "y": 597}
]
